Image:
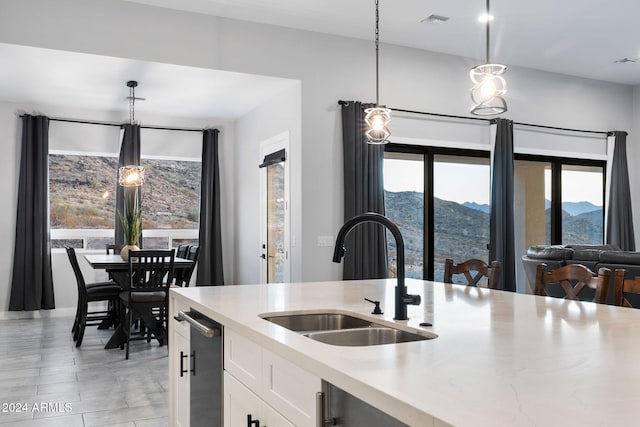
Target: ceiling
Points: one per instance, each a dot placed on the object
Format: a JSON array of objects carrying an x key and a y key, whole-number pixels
[
  {"x": 575, "y": 37},
  {"x": 67, "y": 79}
]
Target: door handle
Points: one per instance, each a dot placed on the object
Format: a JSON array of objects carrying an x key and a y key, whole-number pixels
[
  {"x": 251, "y": 422},
  {"x": 182, "y": 357},
  {"x": 320, "y": 413},
  {"x": 204, "y": 330}
]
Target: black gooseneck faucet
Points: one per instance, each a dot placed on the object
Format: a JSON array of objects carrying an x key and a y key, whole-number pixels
[{"x": 402, "y": 299}]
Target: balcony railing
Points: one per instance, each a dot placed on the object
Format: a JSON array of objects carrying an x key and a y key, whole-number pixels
[{"x": 96, "y": 239}]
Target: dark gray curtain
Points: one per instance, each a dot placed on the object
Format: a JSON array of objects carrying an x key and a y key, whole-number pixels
[
  {"x": 501, "y": 246},
  {"x": 619, "y": 217},
  {"x": 32, "y": 281},
  {"x": 129, "y": 155},
  {"x": 210, "y": 258},
  {"x": 366, "y": 255}
]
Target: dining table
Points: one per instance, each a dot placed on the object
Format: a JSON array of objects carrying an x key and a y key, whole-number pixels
[{"x": 118, "y": 269}]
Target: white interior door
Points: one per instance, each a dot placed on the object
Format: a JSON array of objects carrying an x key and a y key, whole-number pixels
[{"x": 274, "y": 210}]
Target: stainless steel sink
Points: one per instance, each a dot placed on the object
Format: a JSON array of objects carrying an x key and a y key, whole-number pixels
[
  {"x": 368, "y": 336},
  {"x": 345, "y": 330},
  {"x": 318, "y": 322}
]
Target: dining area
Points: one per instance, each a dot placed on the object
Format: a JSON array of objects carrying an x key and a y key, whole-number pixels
[{"x": 133, "y": 301}]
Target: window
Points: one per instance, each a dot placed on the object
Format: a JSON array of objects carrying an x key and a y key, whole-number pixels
[
  {"x": 582, "y": 204},
  {"x": 404, "y": 205},
  {"x": 82, "y": 200},
  {"x": 557, "y": 201},
  {"x": 81, "y": 197},
  {"x": 461, "y": 210},
  {"x": 170, "y": 201},
  {"x": 440, "y": 200}
]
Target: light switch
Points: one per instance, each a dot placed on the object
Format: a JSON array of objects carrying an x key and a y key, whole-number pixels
[{"x": 325, "y": 240}]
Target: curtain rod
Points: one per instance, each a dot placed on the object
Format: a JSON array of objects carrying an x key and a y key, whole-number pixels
[
  {"x": 491, "y": 120},
  {"x": 564, "y": 129},
  {"x": 89, "y": 122}
]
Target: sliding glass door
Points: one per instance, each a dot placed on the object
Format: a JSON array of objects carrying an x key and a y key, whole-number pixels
[
  {"x": 461, "y": 195},
  {"x": 557, "y": 201},
  {"x": 404, "y": 205},
  {"x": 440, "y": 200}
]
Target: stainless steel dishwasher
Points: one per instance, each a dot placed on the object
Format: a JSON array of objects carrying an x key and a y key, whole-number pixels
[{"x": 205, "y": 370}]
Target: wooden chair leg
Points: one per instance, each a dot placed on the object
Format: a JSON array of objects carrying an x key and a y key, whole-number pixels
[
  {"x": 117, "y": 306},
  {"x": 75, "y": 320},
  {"x": 130, "y": 324},
  {"x": 123, "y": 321},
  {"x": 82, "y": 322}
]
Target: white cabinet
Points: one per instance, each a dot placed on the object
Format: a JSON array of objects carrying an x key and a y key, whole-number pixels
[
  {"x": 257, "y": 382},
  {"x": 183, "y": 361},
  {"x": 287, "y": 393},
  {"x": 243, "y": 408},
  {"x": 179, "y": 368},
  {"x": 273, "y": 418}
]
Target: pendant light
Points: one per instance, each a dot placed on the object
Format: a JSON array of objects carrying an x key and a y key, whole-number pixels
[
  {"x": 488, "y": 84},
  {"x": 131, "y": 175},
  {"x": 377, "y": 118}
]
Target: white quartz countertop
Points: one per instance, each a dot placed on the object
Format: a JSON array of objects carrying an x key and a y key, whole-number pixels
[{"x": 500, "y": 359}]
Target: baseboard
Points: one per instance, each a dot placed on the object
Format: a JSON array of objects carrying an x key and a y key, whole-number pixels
[{"x": 38, "y": 314}]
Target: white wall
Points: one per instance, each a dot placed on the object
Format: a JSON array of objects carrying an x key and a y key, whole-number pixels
[
  {"x": 329, "y": 67},
  {"x": 280, "y": 114},
  {"x": 633, "y": 155},
  {"x": 103, "y": 139},
  {"x": 10, "y": 132}
]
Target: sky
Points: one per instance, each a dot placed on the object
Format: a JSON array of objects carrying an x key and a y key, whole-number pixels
[
  {"x": 455, "y": 182},
  {"x": 577, "y": 186},
  {"x": 461, "y": 183}
]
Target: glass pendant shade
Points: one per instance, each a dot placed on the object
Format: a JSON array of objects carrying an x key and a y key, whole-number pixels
[
  {"x": 488, "y": 89},
  {"x": 131, "y": 176},
  {"x": 377, "y": 120}
]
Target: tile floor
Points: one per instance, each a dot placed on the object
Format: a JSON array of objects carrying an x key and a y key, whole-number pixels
[{"x": 56, "y": 384}]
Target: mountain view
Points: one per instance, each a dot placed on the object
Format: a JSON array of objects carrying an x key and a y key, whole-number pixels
[
  {"x": 81, "y": 193},
  {"x": 462, "y": 230},
  {"x": 82, "y": 187}
]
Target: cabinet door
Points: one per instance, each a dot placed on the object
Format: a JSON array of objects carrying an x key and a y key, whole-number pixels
[
  {"x": 239, "y": 403},
  {"x": 243, "y": 359},
  {"x": 271, "y": 418},
  {"x": 289, "y": 389},
  {"x": 181, "y": 381}
]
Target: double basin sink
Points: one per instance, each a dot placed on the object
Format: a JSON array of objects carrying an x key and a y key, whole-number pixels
[{"x": 344, "y": 329}]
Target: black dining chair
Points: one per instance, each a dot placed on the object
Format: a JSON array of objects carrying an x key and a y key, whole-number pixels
[
  {"x": 92, "y": 292},
  {"x": 150, "y": 273},
  {"x": 185, "y": 273},
  {"x": 114, "y": 249},
  {"x": 182, "y": 251},
  {"x": 180, "y": 273}
]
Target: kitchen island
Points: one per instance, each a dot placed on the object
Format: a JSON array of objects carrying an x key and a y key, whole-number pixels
[{"x": 500, "y": 358}]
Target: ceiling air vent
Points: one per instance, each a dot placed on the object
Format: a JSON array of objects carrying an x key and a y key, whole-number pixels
[
  {"x": 625, "y": 60},
  {"x": 435, "y": 19}
]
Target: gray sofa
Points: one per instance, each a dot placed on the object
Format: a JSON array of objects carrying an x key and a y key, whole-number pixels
[{"x": 592, "y": 256}]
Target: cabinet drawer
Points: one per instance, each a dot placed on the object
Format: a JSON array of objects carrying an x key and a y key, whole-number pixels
[
  {"x": 243, "y": 359},
  {"x": 290, "y": 389},
  {"x": 181, "y": 328}
]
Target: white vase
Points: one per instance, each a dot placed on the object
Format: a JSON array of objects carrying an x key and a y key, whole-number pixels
[{"x": 124, "y": 253}]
